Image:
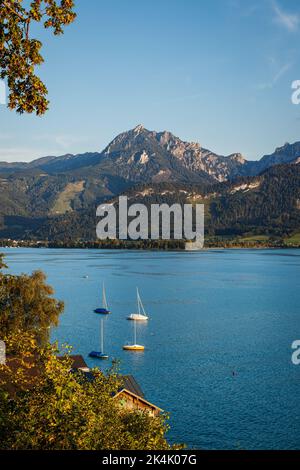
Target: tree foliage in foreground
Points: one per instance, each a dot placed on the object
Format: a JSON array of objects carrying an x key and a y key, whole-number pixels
[
  {"x": 20, "y": 53},
  {"x": 45, "y": 406},
  {"x": 63, "y": 410},
  {"x": 26, "y": 304}
]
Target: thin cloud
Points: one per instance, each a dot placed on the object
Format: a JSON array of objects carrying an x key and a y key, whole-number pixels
[
  {"x": 290, "y": 21},
  {"x": 19, "y": 154},
  {"x": 179, "y": 99},
  {"x": 281, "y": 72},
  {"x": 277, "y": 76},
  {"x": 62, "y": 141},
  {"x": 243, "y": 9}
]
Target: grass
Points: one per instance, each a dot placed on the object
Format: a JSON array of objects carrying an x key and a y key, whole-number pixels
[
  {"x": 65, "y": 198},
  {"x": 255, "y": 238},
  {"x": 293, "y": 240}
]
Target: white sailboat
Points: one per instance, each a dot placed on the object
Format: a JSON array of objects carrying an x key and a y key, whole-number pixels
[
  {"x": 134, "y": 346},
  {"x": 100, "y": 354},
  {"x": 141, "y": 315}
]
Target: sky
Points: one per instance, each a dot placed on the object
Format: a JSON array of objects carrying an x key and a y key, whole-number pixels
[{"x": 217, "y": 72}]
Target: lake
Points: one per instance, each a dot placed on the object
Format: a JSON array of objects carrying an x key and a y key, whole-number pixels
[{"x": 218, "y": 342}]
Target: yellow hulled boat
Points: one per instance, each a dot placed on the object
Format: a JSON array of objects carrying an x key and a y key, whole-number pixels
[{"x": 133, "y": 347}]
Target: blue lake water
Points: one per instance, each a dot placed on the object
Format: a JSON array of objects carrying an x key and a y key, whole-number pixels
[{"x": 218, "y": 343}]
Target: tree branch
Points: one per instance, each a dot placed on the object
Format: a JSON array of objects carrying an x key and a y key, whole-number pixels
[
  {"x": 27, "y": 27},
  {"x": 9, "y": 7}
]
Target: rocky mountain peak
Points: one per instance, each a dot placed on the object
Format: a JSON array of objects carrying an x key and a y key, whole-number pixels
[
  {"x": 139, "y": 128},
  {"x": 141, "y": 155},
  {"x": 238, "y": 157},
  {"x": 282, "y": 148}
]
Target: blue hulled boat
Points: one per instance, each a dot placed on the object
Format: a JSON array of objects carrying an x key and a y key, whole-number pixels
[{"x": 103, "y": 310}]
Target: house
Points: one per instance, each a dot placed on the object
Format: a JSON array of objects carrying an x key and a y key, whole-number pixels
[
  {"x": 130, "y": 396},
  {"x": 78, "y": 363}
]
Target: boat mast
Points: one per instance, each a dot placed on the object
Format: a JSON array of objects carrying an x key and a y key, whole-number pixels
[
  {"x": 102, "y": 335},
  {"x": 138, "y": 301},
  {"x": 104, "y": 297},
  {"x": 134, "y": 342},
  {"x": 140, "y": 304}
]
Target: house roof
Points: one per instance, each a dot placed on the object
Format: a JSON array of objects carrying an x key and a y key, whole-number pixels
[
  {"x": 31, "y": 371},
  {"x": 141, "y": 399},
  {"x": 78, "y": 362},
  {"x": 130, "y": 386},
  {"x": 129, "y": 382}
]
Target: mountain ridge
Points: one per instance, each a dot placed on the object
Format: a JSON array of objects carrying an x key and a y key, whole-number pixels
[
  {"x": 140, "y": 154},
  {"x": 248, "y": 205},
  {"x": 52, "y": 189}
]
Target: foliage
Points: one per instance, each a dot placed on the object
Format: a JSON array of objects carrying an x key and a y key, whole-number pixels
[
  {"x": 2, "y": 264},
  {"x": 271, "y": 207},
  {"x": 63, "y": 410},
  {"x": 26, "y": 304},
  {"x": 44, "y": 405},
  {"x": 20, "y": 54}
]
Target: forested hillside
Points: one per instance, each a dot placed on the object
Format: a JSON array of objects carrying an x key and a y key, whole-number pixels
[{"x": 55, "y": 198}]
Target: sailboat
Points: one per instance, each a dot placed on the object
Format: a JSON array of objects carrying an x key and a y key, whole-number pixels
[
  {"x": 141, "y": 315},
  {"x": 100, "y": 354},
  {"x": 103, "y": 310},
  {"x": 134, "y": 346}
]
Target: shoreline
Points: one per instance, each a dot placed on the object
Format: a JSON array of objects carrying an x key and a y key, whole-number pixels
[{"x": 13, "y": 244}]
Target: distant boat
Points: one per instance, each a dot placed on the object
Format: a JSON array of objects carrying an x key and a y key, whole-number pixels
[
  {"x": 103, "y": 310},
  {"x": 141, "y": 315},
  {"x": 134, "y": 346},
  {"x": 100, "y": 354}
]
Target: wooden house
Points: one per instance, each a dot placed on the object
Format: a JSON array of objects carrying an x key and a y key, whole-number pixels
[{"x": 129, "y": 396}]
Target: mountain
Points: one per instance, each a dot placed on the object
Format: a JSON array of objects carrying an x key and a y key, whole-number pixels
[
  {"x": 160, "y": 156},
  {"x": 267, "y": 203},
  {"x": 264, "y": 204},
  {"x": 288, "y": 153},
  {"x": 58, "y": 190},
  {"x": 140, "y": 155}
]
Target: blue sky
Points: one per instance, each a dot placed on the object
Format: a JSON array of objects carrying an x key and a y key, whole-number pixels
[{"x": 218, "y": 72}]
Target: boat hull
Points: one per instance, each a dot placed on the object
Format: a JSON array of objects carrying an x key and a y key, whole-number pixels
[
  {"x": 137, "y": 317},
  {"x": 102, "y": 311},
  {"x": 98, "y": 355},
  {"x": 133, "y": 347}
]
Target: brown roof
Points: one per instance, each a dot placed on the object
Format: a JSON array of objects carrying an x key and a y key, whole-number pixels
[
  {"x": 141, "y": 399},
  {"x": 129, "y": 382},
  {"x": 31, "y": 371},
  {"x": 130, "y": 385},
  {"x": 78, "y": 362}
]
